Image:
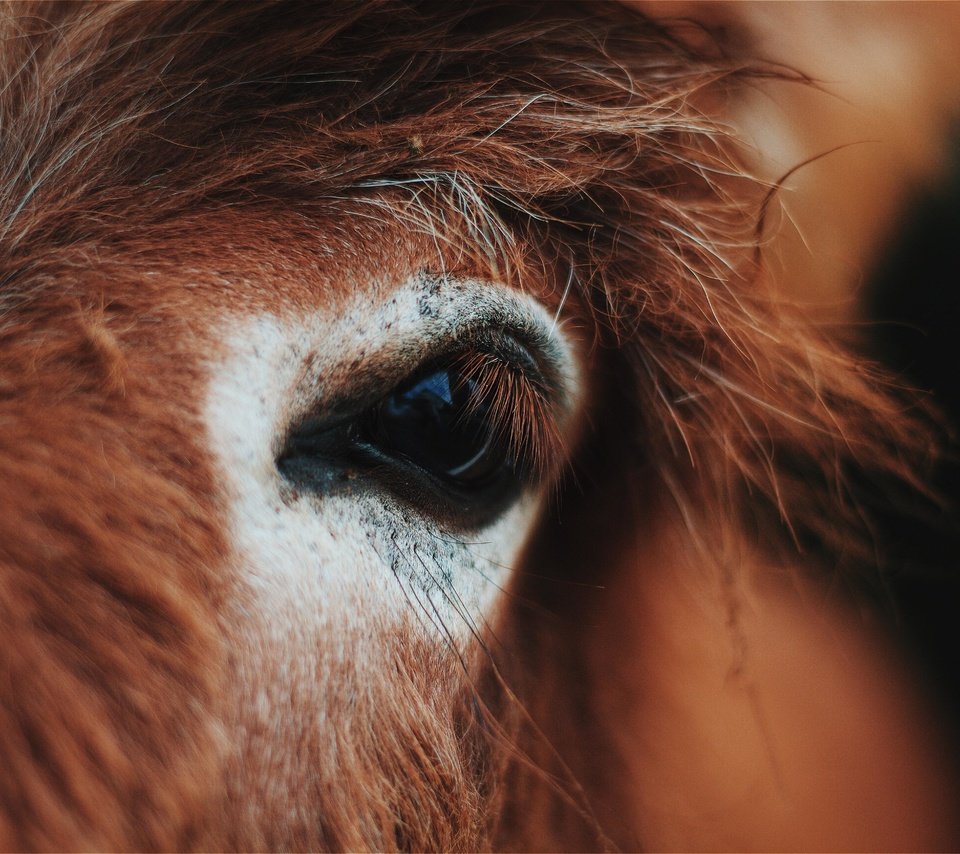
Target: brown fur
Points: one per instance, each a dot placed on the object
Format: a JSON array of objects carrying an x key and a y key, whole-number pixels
[{"x": 538, "y": 143}]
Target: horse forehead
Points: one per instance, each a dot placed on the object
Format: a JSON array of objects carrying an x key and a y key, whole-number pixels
[{"x": 234, "y": 266}]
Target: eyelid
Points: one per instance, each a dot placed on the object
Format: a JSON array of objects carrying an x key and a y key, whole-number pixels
[
  {"x": 525, "y": 347},
  {"x": 521, "y": 402}
]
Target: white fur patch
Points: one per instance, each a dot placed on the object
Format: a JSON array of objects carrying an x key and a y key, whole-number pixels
[
  {"x": 323, "y": 555},
  {"x": 320, "y": 577}
]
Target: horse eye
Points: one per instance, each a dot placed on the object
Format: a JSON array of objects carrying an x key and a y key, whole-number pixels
[
  {"x": 440, "y": 423},
  {"x": 458, "y": 439}
]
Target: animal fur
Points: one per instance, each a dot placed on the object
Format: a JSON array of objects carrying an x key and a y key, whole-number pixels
[{"x": 563, "y": 149}]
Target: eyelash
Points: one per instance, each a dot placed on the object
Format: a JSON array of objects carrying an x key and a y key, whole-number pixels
[{"x": 519, "y": 406}]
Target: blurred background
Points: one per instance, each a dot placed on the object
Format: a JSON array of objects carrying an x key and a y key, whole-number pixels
[{"x": 865, "y": 238}]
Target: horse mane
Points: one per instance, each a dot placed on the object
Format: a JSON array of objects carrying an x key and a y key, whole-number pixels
[{"x": 565, "y": 149}]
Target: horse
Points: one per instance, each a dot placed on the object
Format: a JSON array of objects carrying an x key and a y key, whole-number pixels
[{"x": 409, "y": 443}]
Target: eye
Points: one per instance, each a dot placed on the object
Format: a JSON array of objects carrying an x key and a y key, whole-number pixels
[
  {"x": 459, "y": 439},
  {"x": 440, "y": 422}
]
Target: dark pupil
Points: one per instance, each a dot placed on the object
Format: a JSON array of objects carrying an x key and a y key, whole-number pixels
[{"x": 437, "y": 423}]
